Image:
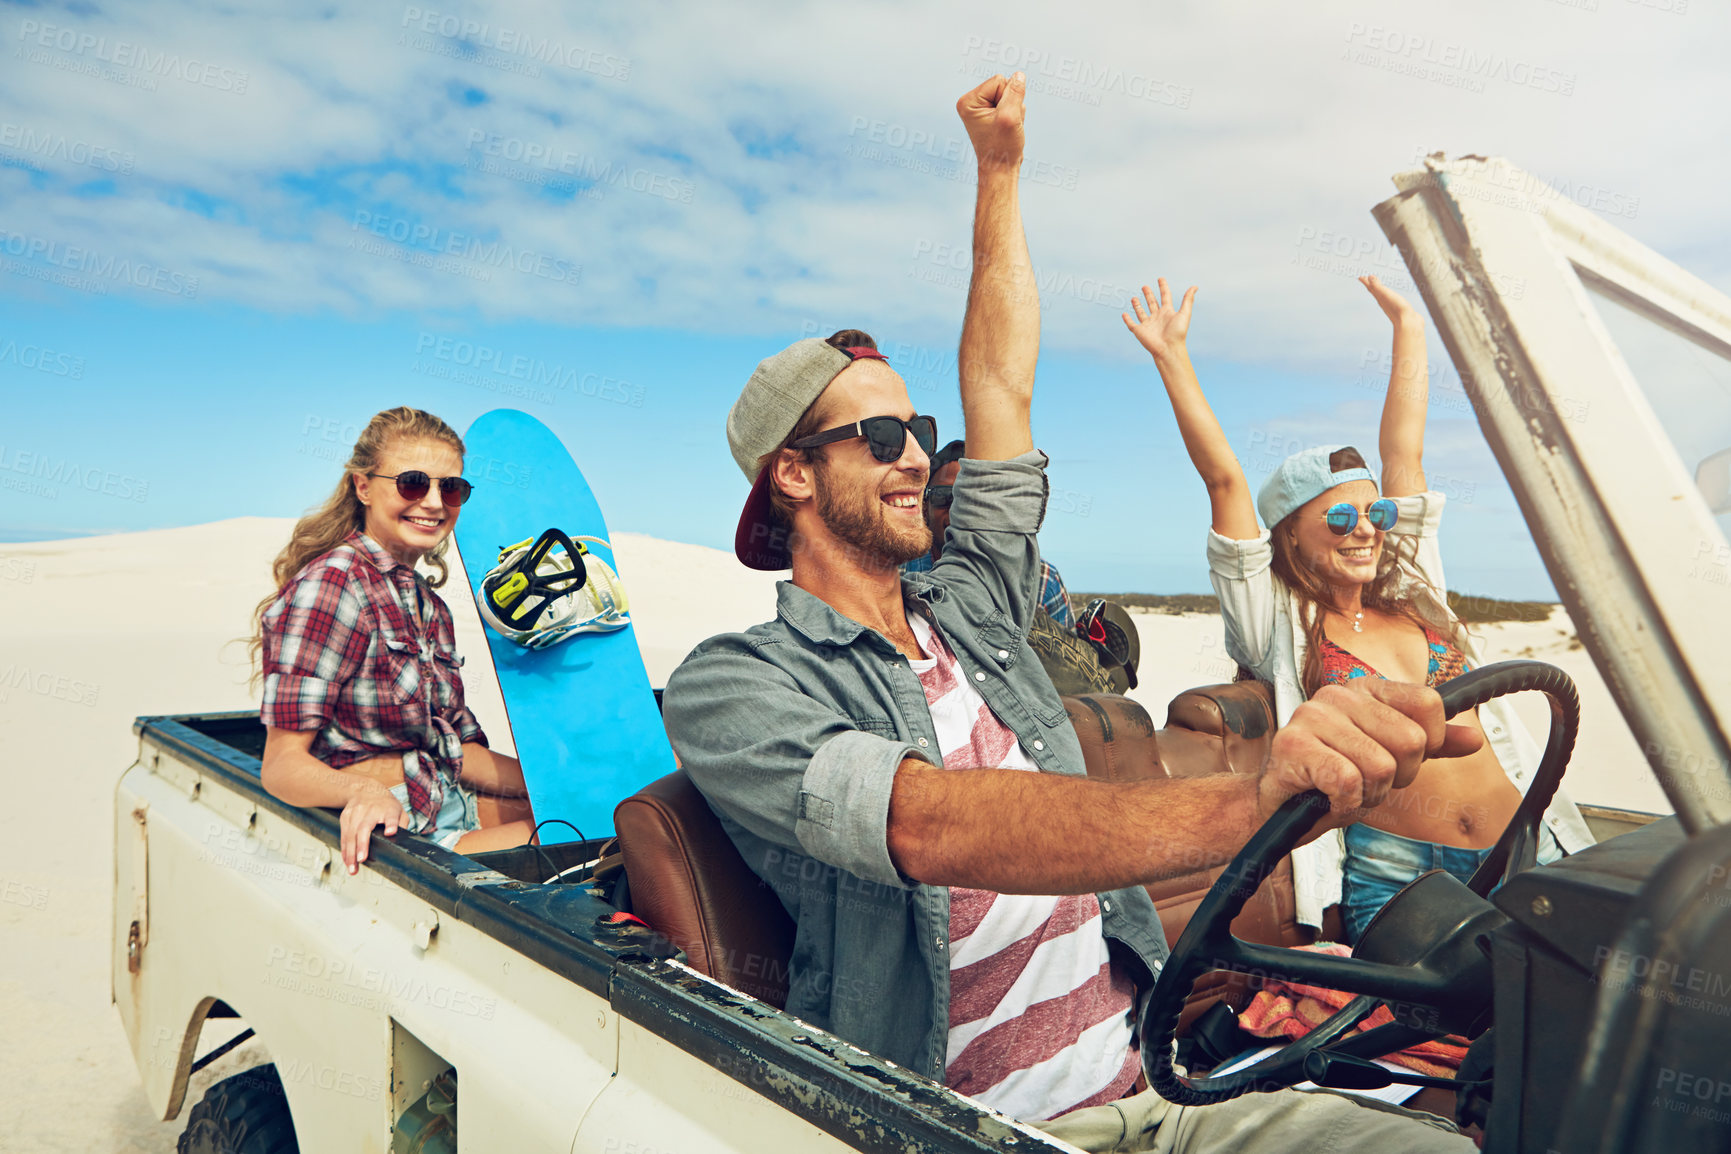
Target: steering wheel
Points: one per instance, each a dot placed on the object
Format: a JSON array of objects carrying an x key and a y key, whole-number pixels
[{"x": 1423, "y": 960}]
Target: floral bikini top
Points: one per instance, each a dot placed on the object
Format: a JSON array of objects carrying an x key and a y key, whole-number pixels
[{"x": 1446, "y": 662}]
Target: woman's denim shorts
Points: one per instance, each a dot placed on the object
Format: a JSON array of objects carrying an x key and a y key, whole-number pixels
[
  {"x": 456, "y": 817},
  {"x": 1379, "y": 864}
]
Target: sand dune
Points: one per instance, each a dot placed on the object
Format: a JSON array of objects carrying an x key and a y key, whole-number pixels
[{"x": 97, "y": 631}]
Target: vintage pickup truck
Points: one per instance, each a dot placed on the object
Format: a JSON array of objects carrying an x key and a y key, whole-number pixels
[{"x": 513, "y": 985}]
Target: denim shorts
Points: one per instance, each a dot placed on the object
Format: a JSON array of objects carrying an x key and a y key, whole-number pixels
[
  {"x": 456, "y": 817},
  {"x": 1379, "y": 864}
]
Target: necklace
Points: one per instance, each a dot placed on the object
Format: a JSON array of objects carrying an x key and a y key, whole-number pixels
[{"x": 1358, "y": 622}]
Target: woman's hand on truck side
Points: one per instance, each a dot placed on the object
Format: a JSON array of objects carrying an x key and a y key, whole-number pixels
[{"x": 373, "y": 805}]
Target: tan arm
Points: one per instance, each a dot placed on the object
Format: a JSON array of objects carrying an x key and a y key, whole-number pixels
[
  {"x": 1001, "y": 331},
  {"x": 291, "y": 773},
  {"x": 496, "y": 773},
  {"x": 1400, "y": 441},
  {"x": 1163, "y": 331},
  {"x": 1076, "y": 835}
]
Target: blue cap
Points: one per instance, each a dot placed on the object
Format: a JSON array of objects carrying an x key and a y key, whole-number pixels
[{"x": 1302, "y": 478}]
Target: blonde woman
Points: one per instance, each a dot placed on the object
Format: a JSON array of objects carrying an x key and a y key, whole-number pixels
[
  {"x": 363, "y": 699},
  {"x": 1346, "y": 582}
]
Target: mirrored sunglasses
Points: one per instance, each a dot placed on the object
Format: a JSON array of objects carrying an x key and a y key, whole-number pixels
[{"x": 1343, "y": 518}]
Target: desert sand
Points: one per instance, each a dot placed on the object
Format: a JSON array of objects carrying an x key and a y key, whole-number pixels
[{"x": 95, "y": 632}]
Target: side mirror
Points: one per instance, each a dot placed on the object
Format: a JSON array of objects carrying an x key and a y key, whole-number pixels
[{"x": 1713, "y": 478}]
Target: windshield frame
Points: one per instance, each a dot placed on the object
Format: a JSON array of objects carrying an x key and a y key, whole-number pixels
[{"x": 1503, "y": 263}]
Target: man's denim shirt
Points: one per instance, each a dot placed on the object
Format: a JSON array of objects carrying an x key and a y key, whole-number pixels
[{"x": 794, "y": 730}]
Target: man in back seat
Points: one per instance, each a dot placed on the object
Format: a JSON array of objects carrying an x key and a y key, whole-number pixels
[
  {"x": 1075, "y": 662},
  {"x": 890, "y": 758}
]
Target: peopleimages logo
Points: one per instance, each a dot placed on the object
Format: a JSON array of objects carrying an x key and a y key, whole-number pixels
[
  {"x": 65, "y": 471},
  {"x": 919, "y": 150},
  {"x": 1425, "y": 57},
  {"x": 550, "y": 159},
  {"x": 349, "y": 981},
  {"x": 18, "y": 893},
  {"x": 1071, "y": 77},
  {"x": 1663, "y": 979},
  {"x": 40, "y": 359},
  {"x": 515, "y": 373},
  {"x": 27, "y": 142},
  {"x": 47, "y": 683},
  {"x": 444, "y": 242},
  {"x": 89, "y": 263},
  {"x": 479, "y": 34},
  {"x": 17, "y": 569},
  {"x": 952, "y": 266},
  {"x": 1531, "y": 190},
  {"x": 124, "y": 54}
]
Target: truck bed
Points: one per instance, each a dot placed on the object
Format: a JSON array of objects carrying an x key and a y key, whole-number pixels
[{"x": 197, "y": 786}]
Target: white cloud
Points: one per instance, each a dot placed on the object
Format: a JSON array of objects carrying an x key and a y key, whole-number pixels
[{"x": 1211, "y": 144}]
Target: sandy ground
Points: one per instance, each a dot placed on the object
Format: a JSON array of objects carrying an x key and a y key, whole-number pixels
[
  {"x": 145, "y": 623},
  {"x": 97, "y": 631}
]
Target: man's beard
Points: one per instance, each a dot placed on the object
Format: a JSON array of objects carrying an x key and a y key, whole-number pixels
[{"x": 858, "y": 519}]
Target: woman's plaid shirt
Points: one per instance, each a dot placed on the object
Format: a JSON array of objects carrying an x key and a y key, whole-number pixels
[{"x": 343, "y": 655}]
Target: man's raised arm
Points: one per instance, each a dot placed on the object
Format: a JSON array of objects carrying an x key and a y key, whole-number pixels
[{"x": 1001, "y": 332}]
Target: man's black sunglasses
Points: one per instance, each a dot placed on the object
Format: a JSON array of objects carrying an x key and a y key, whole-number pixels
[
  {"x": 887, "y": 436},
  {"x": 940, "y": 496},
  {"x": 413, "y": 485}
]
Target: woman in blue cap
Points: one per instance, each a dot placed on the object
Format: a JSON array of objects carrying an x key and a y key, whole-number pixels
[{"x": 1346, "y": 582}]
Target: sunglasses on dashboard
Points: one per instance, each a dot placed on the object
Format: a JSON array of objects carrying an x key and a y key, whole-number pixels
[
  {"x": 1343, "y": 518},
  {"x": 413, "y": 485},
  {"x": 887, "y": 436}
]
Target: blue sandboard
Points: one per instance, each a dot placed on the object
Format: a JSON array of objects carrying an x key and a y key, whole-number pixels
[{"x": 583, "y": 714}]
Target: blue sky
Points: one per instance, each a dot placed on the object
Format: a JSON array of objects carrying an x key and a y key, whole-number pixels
[{"x": 227, "y": 238}]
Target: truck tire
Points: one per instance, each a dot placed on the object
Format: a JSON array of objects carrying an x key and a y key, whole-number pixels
[{"x": 245, "y": 1114}]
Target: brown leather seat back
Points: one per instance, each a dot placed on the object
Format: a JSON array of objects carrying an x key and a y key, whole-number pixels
[
  {"x": 1214, "y": 729},
  {"x": 690, "y": 884},
  {"x": 1117, "y": 736},
  {"x": 1235, "y": 723}
]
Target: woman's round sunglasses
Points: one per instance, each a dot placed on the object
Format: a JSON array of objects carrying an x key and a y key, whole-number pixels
[
  {"x": 413, "y": 485},
  {"x": 1343, "y": 518},
  {"x": 887, "y": 436}
]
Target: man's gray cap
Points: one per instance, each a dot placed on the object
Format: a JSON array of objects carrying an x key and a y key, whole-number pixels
[{"x": 778, "y": 394}]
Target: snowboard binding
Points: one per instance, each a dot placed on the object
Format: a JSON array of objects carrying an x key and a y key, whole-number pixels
[{"x": 550, "y": 588}]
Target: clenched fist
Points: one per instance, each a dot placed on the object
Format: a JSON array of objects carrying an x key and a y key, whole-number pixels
[{"x": 992, "y": 114}]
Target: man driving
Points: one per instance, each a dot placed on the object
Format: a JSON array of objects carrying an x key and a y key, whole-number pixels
[{"x": 892, "y": 760}]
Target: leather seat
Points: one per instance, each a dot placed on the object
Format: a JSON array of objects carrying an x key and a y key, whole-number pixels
[
  {"x": 1214, "y": 729},
  {"x": 690, "y": 884}
]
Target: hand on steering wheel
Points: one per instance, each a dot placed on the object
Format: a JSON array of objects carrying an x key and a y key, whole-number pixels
[{"x": 1431, "y": 968}]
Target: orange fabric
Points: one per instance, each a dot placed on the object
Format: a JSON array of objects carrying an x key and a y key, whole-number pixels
[{"x": 1291, "y": 1010}]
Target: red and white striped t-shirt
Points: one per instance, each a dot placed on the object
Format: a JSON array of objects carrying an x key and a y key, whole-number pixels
[{"x": 1039, "y": 1016}]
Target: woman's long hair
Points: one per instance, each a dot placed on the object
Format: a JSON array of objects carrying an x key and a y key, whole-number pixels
[
  {"x": 324, "y": 528},
  {"x": 1384, "y": 594}
]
